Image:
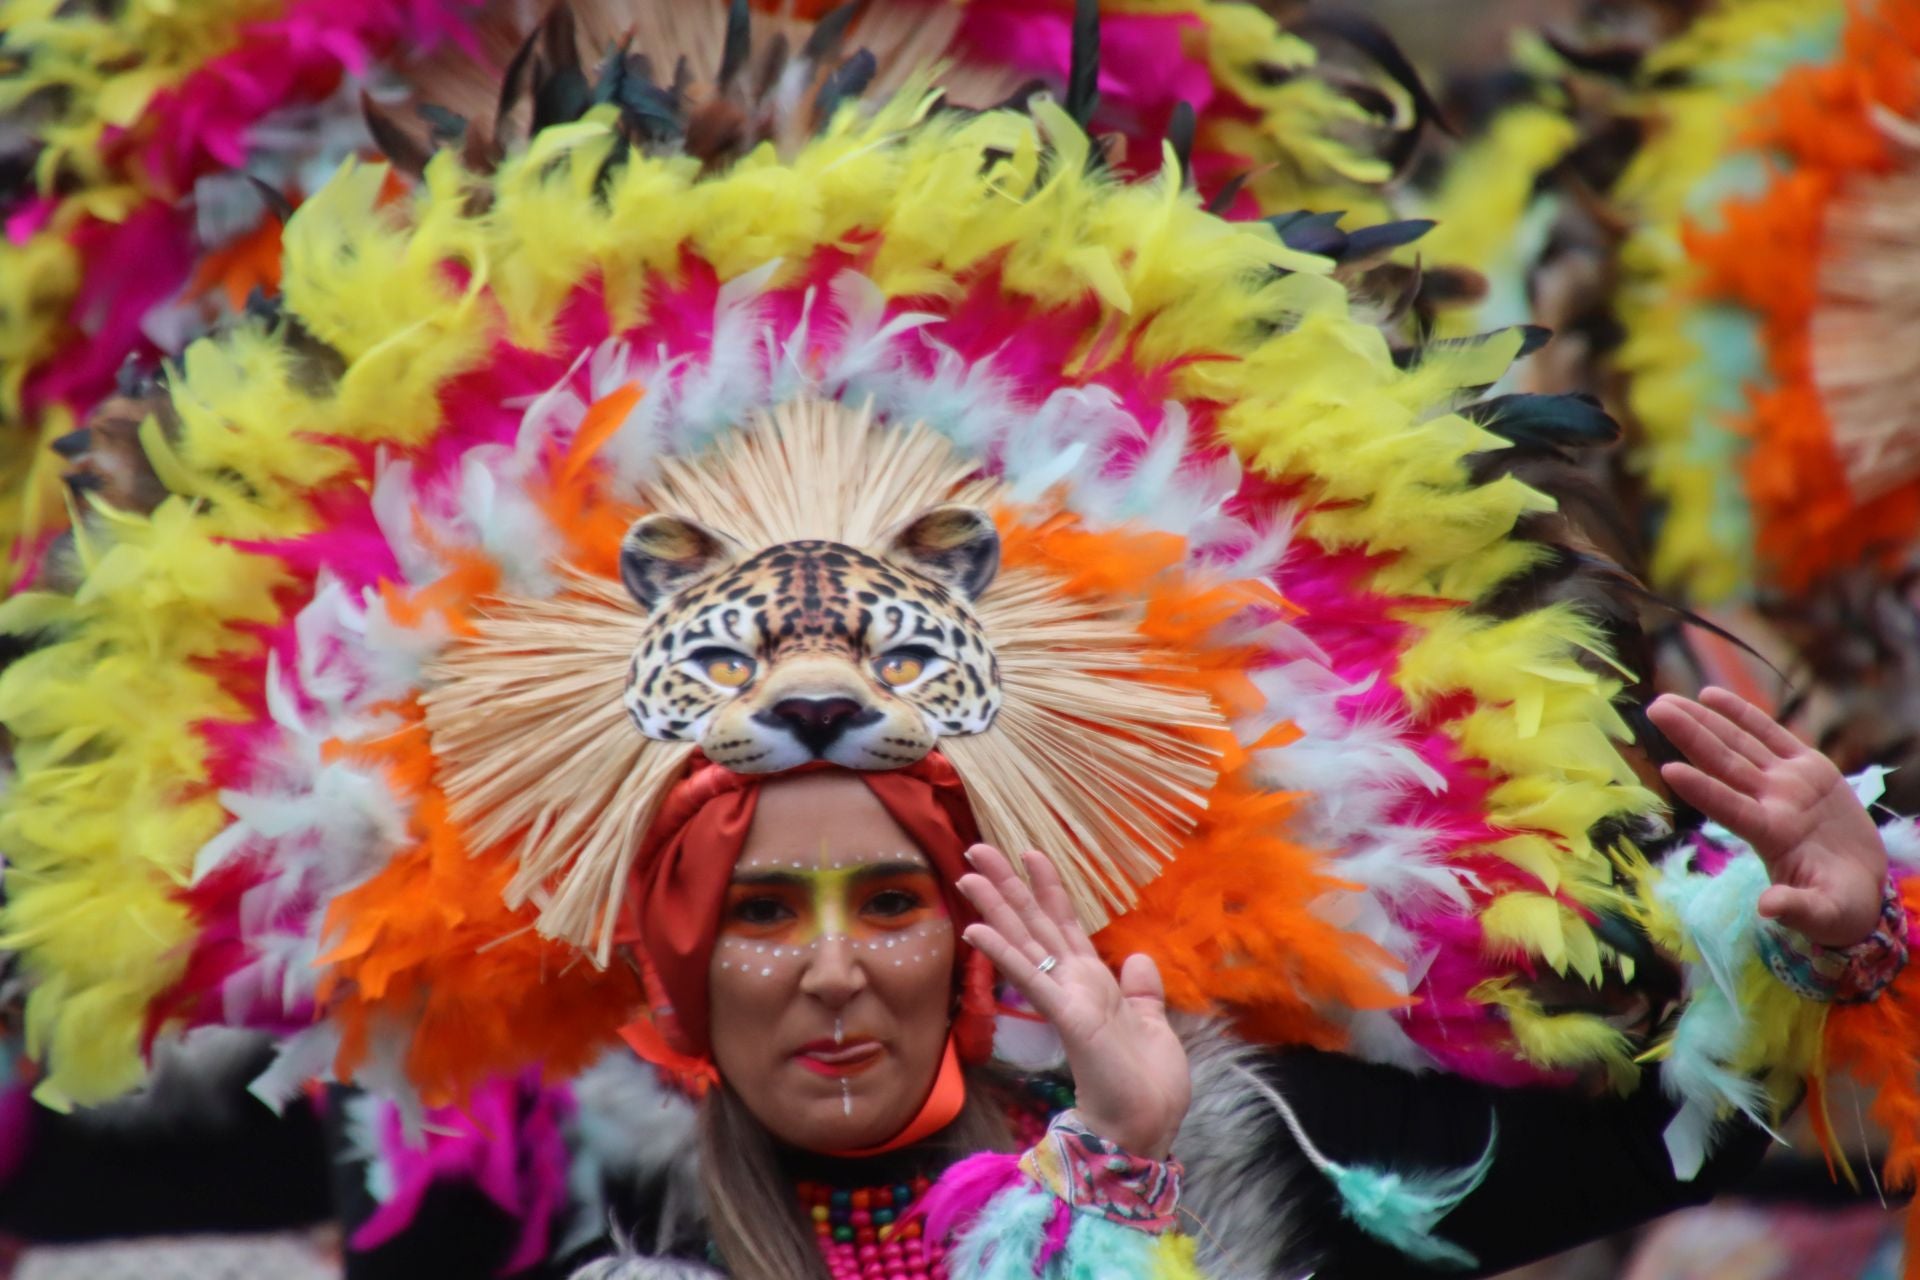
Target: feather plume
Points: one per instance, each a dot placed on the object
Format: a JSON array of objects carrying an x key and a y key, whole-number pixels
[
  {"x": 688, "y": 76},
  {"x": 1403, "y": 1209}
]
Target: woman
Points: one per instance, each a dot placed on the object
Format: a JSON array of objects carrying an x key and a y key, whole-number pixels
[{"x": 815, "y": 939}]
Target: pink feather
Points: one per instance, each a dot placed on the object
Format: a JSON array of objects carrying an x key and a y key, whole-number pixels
[{"x": 962, "y": 1192}]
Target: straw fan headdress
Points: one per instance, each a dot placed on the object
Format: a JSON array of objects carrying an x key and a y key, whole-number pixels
[{"x": 818, "y": 587}]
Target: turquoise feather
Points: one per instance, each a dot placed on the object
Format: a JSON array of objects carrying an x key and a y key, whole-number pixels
[
  {"x": 1400, "y": 1209},
  {"x": 1403, "y": 1209},
  {"x": 1006, "y": 1239},
  {"x": 1098, "y": 1249}
]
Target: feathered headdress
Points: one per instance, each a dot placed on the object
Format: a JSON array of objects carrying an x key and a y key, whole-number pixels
[
  {"x": 1229, "y": 603},
  {"x": 1258, "y": 526}
]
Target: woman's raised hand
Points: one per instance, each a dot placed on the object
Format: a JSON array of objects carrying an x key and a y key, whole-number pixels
[
  {"x": 1130, "y": 1071},
  {"x": 1790, "y": 803}
]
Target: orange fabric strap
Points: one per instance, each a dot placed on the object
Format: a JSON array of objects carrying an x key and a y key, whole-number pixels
[{"x": 936, "y": 1113}]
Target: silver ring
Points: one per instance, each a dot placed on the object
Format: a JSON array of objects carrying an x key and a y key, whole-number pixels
[{"x": 1046, "y": 964}]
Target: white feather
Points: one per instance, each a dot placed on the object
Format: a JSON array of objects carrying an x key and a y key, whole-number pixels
[
  {"x": 306, "y": 1055},
  {"x": 733, "y": 381},
  {"x": 1163, "y": 487},
  {"x": 1375, "y": 1035},
  {"x": 627, "y": 1122},
  {"x": 1239, "y": 550},
  {"x": 968, "y": 401},
  {"x": 629, "y": 1127},
  {"x": 868, "y": 340},
  {"x": 787, "y": 360},
  {"x": 652, "y": 426},
  {"x": 1028, "y": 1044},
  {"x": 395, "y": 503},
  {"x": 1902, "y": 838},
  {"x": 397, "y": 651},
  {"x": 191, "y": 1085},
  {"x": 501, "y": 516},
  {"x": 1086, "y": 424},
  {"x": 552, "y": 415}
]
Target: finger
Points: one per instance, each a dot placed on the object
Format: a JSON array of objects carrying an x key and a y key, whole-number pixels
[
  {"x": 1811, "y": 914},
  {"x": 1733, "y": 734},
  {"x": 1777, "y": 737},
  {"x": 1038, "y": 989},
  {"x": 1692, "y": 728},
  {"x": 1140, "y": 983},
  {"x": 1737, "y": 813},
  {"x": 1054, "y": 900},
  {"x": 995, "y": 865},
  {"x": 1722, "y": 730},
  {"x": 993, "y": 907}
]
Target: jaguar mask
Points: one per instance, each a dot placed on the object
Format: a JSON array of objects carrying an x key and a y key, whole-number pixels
[{"x": 812, "y": 650}]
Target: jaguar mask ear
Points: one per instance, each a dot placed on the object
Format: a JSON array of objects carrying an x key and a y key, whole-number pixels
[
  {"x": 956, "y": 546},
  {"x": 663, "y": 555}
]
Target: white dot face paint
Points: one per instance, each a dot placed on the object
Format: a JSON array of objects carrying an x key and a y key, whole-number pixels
[
  {"x": 782, "y": 913},
  {"x": 917, "y": 944}
]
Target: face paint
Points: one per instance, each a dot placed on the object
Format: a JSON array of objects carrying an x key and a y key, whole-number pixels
[
  {"x": 831, "y": 985},
  {"x": 778, "y": 912}
]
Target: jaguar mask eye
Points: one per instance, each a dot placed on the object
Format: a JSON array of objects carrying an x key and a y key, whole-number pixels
[
  {"x": 724, "y": 668},
  {"x": 906, "y": 666}
]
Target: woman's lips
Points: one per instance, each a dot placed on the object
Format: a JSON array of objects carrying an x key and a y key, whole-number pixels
[{"x": 825, "y": 1058}]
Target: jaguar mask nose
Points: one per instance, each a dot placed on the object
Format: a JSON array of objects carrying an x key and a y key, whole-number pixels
[{"x": 817, "y": 723}]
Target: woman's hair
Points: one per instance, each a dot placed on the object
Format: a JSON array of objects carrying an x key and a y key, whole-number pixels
[{"x": 752, "y": 1207}]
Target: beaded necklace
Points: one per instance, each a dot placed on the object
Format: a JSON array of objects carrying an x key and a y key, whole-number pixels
[
  {"x": 859, "y": 1237},
  {"x": 858, "y": 1230}
]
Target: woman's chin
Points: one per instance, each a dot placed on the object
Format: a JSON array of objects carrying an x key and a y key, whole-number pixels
[{"x": 828, "y": 1113}]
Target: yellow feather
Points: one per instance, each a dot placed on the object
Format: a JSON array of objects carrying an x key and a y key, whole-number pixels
[{"x": 1563, "y": 1040}]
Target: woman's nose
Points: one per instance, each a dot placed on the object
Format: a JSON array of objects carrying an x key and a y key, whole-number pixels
[{"x": 834, "y": 975}]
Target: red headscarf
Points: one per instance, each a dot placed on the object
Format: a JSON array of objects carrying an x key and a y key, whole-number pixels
[{"x": 680, "y": 880}]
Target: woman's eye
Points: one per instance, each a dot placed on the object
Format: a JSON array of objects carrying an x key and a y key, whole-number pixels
[
  {"x": 725, "y": 668},
  {"x": 901, "y": 667},
  {"x": 762, "y": 911},
  {"x": 890, "y": 903}
]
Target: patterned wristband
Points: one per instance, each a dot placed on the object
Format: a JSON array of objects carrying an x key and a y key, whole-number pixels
[
  {"x": 1093, "y": 1175},
  {"x": 1840, "y": 975}
]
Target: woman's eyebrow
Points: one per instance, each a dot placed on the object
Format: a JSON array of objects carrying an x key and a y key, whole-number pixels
[
  {"x": 786, "y": 875},
  {"x": 874, "y": 870},
  {"x": 771, "y": 876}
]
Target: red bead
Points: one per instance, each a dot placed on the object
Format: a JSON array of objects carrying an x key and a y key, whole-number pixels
[{"x": 856, "y": 1247}]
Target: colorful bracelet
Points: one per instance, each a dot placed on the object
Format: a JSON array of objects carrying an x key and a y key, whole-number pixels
[
  {"x": 1840, "y": 975},
  {"x": 1093, "y": 1175}
]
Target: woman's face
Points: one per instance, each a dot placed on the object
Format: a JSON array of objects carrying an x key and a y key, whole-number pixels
[{"x": 832, "y": 979}]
